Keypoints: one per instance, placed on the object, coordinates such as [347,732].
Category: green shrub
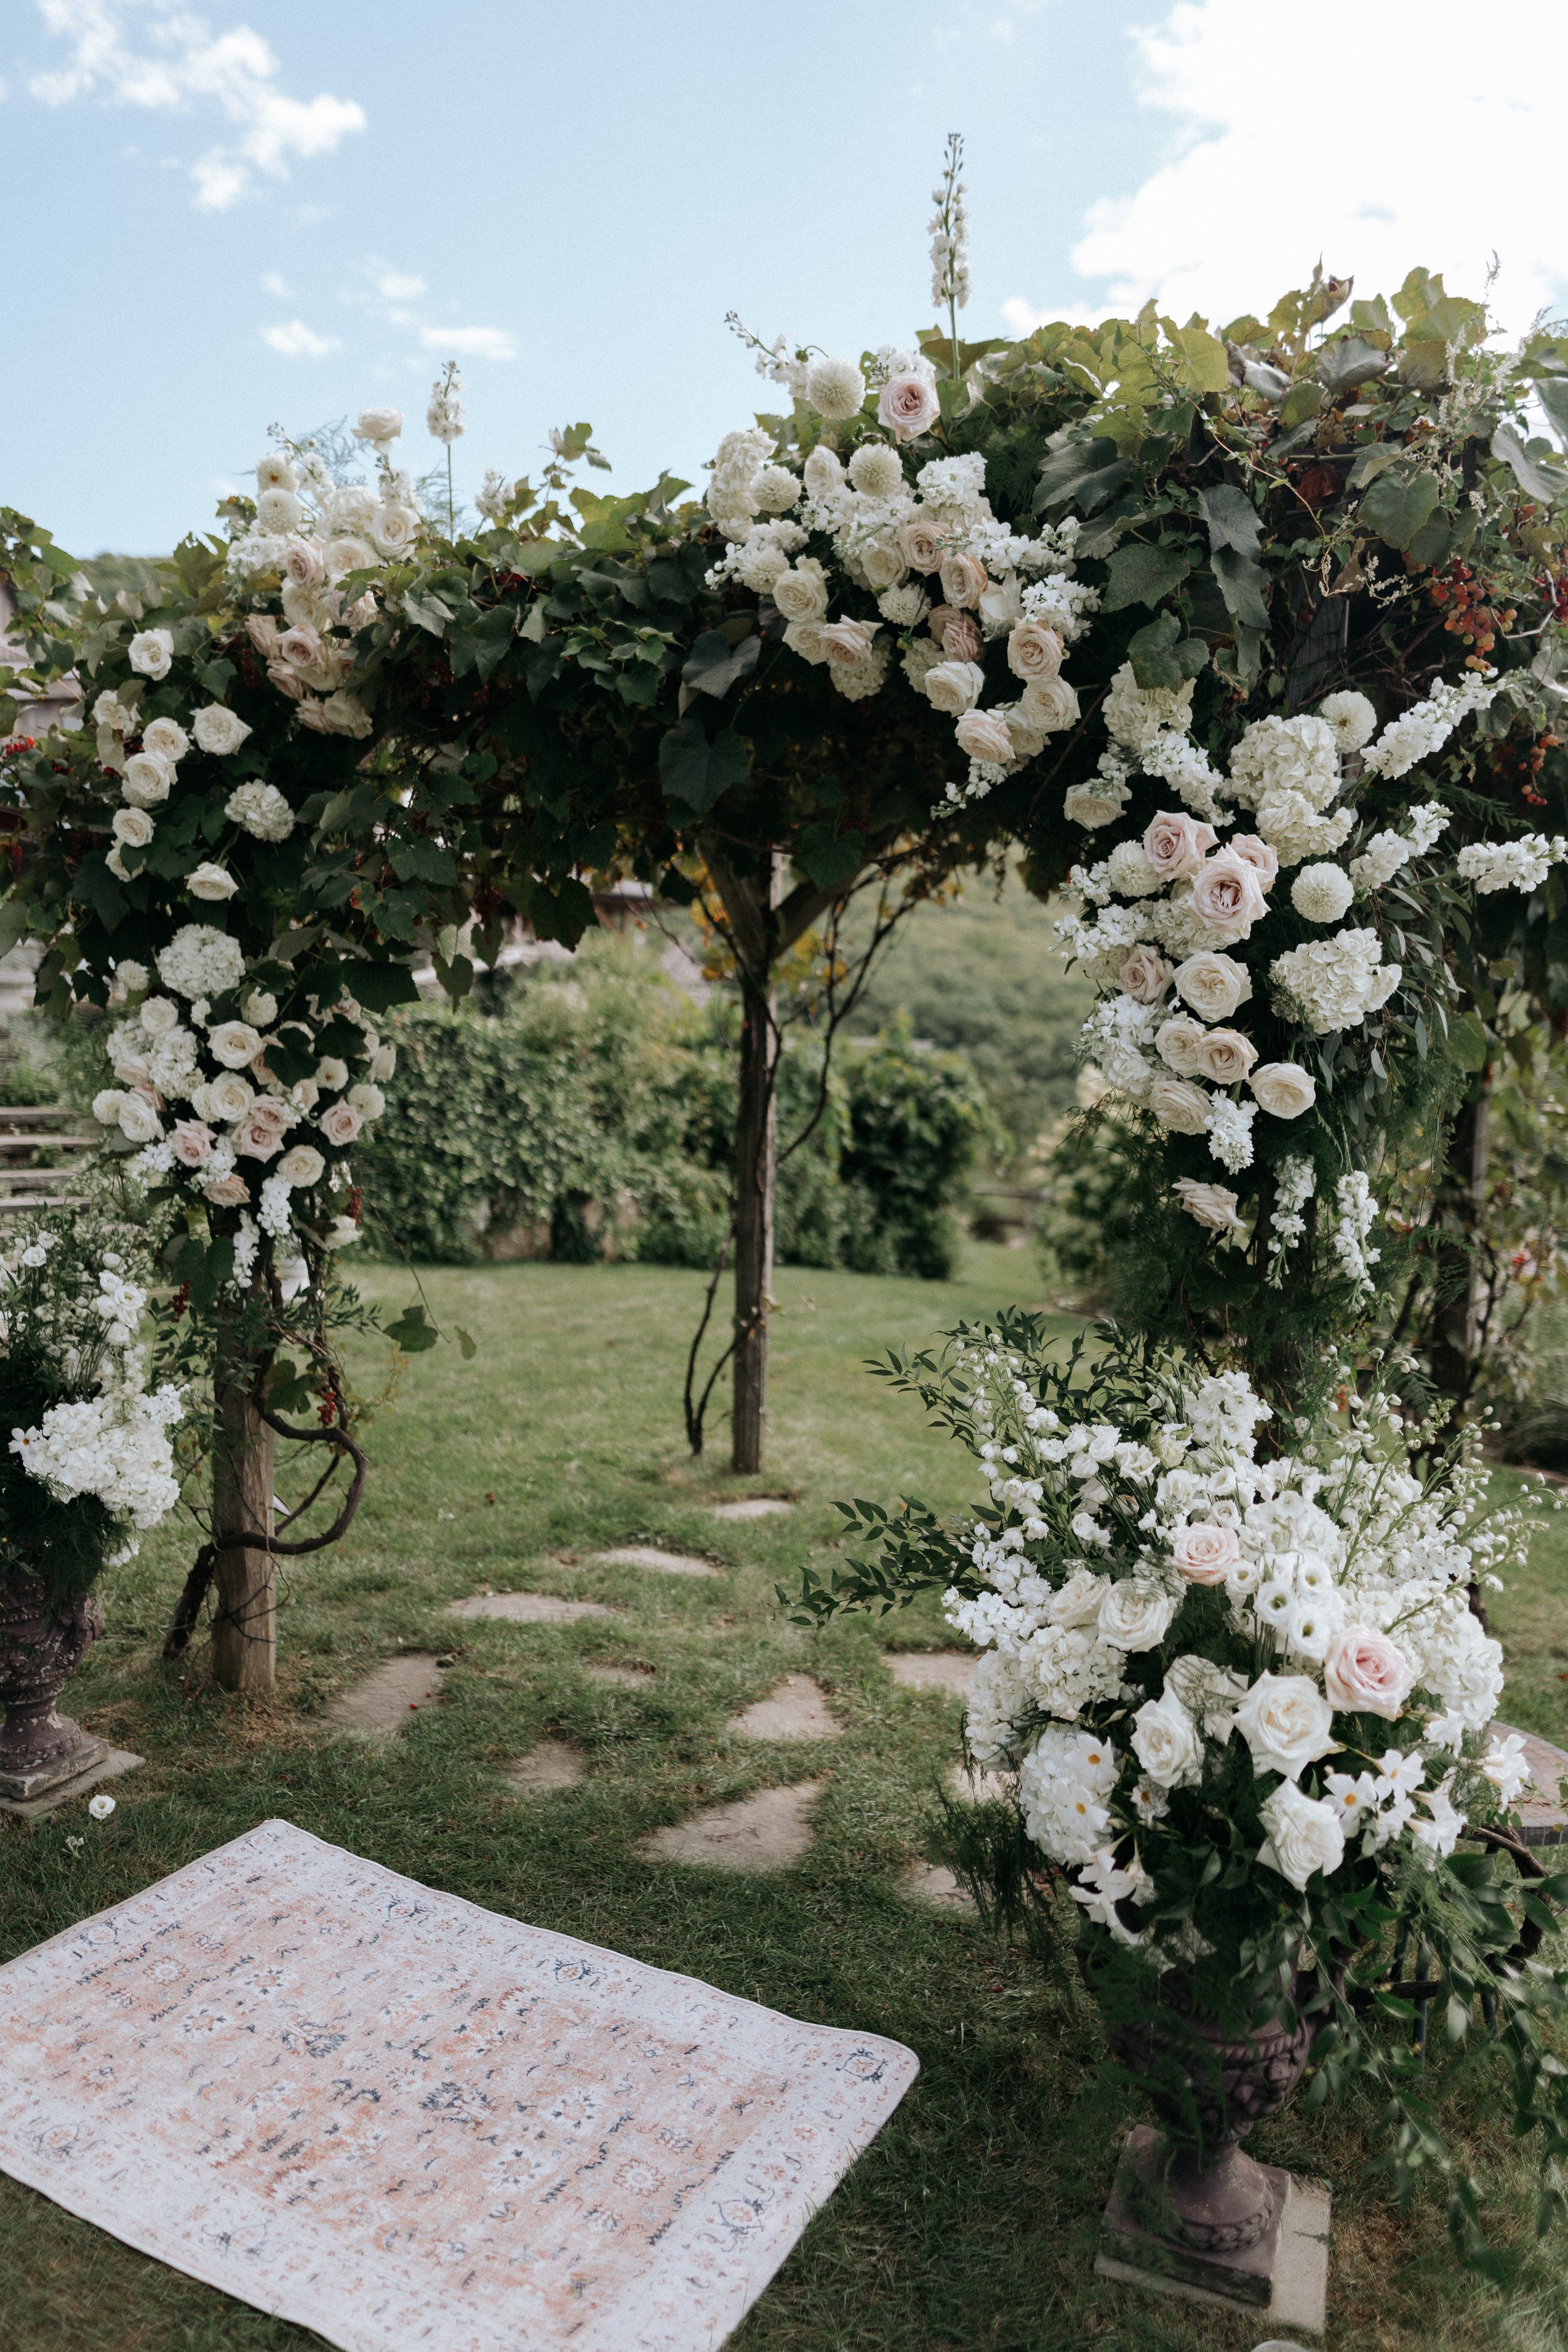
[588,1111]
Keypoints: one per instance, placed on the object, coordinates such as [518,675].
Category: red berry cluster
[1474,617]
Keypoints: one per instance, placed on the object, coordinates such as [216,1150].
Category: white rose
[138,1119]
[132,827]
[1214,1206]
[393,530]
[379,425]
[1205,1552]
[147,780]
[151,652]
[908,404]
[1049,703]
[229,1096]
[982,736]
[1366,1673]
[106,1107]
[1287,1722]
[1134,1614]
[1213,984]
[235,1043]
[1304,1835]
[1093,804]
[303,1166]
[167,738]
[955,687]
[822,473]
[849,645]
[1283,1088]
[883,564]
[211,882]
[1034,651]
[383,1063]
[217,730]
[1166,1743]
[159,1015]
[1180,1107]
[1077,1603]
[801,594]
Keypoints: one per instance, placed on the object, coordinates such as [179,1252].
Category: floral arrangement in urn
[88,1465]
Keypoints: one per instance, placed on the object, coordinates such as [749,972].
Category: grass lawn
[970,2226]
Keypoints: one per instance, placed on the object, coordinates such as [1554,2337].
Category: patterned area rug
[403,2121]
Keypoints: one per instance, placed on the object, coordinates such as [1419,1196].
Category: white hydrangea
[1276,756]
[1060,602]
[1135,714]
[262,810]
[732,499]
[1336,982]
[1294,830]
[114,1445]
[200,960]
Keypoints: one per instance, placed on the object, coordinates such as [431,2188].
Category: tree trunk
[245,1631]
[756,1150]
[1455,1324]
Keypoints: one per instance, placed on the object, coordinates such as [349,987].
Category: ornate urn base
[1190,2208]
[40,1649]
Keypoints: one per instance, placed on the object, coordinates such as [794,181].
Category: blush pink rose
[964,579]
[262,630]
[268,1111]
[1227,894]
[190,1142]
[909,406]
[1258,854]
[257,1138]
[1365,1673]
[957,635]
[341,1124]
[1205,1553]
[1177,845]
[1145,976]
[1223,1057]
[313,715]
[1034,651]
[288,681]
[846,644]
[226,1192]
[920,545]
[983,737]
[302,646]
[305,563]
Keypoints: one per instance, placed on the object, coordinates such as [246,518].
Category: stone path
[943,1670]
[386,1699]
[1542,1819]
[528,1608]
[767,1832]
[933,1882]
[794,1710]
[755,1506]
[669,1563]
[549,1764]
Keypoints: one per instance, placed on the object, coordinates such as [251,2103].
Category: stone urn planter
[1189,2202]
[41,1646]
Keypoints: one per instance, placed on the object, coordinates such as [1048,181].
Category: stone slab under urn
[109,1764]
[1281,2275]
[45,1758]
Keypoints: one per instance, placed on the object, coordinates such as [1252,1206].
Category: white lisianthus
[1287,1722]
[1304,1835]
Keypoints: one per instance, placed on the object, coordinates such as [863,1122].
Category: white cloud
[398,285]
[184,66]
[298,341]
[272,284]
[470,342]
[1377,134]
[1021,316]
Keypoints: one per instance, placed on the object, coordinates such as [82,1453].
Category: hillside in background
[982,974]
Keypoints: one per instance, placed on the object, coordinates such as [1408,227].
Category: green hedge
[590,1112]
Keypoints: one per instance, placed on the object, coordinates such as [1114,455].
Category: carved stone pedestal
[40,1649]
[1263,2235]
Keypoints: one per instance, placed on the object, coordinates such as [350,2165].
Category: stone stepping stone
[386,1701]
[795,1710]
[755,1506]
[549,1764]
[981,1787]
[528,1608]
[932,1882]
[667,1563]
[767,1832]
[943,1670]
[621,1677]
[1542,1819]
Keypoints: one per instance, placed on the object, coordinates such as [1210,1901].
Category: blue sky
[224,218]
